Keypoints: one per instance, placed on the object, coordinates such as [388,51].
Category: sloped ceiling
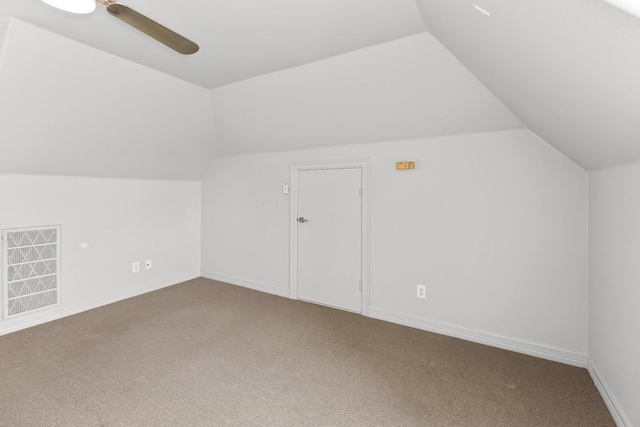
[569,69]
[403,89]
[238,38]
[68,109]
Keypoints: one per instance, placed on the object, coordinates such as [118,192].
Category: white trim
[83,307]
[512,344]
[270,289]
[617,413]
[363,165]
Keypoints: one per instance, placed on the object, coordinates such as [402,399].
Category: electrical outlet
[421,291]
[135,267]
[147,264]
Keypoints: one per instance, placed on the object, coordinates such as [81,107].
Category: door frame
[363,165]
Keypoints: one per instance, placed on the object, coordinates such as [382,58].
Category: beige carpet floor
[204,353]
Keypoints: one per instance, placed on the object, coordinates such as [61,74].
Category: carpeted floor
[204,353]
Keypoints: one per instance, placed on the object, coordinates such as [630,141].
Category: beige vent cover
[31,269]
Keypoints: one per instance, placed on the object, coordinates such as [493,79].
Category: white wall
[614,287]
[3,31]
[408,88]
[495,225]
[122,221]
[68,109]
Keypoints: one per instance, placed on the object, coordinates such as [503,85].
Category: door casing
[363,165]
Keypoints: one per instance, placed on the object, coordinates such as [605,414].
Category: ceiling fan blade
[151,28]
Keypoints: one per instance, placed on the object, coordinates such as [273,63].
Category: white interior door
[329,221]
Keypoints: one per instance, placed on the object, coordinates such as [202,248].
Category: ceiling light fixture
[73,6]
[481,10]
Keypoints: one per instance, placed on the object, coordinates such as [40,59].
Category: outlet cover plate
[421,291]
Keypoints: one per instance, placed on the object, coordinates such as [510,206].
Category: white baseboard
[247,284]
[26,322]
[519,346]
[612,404]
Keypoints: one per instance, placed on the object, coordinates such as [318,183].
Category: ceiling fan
[137,20]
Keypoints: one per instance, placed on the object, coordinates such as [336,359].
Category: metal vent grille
[31,269]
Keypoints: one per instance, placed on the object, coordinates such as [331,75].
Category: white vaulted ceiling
[69,109]
[407,88]
[238,38]
[566,69]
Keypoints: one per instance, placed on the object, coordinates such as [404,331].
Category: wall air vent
[30,269]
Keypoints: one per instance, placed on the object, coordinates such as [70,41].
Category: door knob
[302,219]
